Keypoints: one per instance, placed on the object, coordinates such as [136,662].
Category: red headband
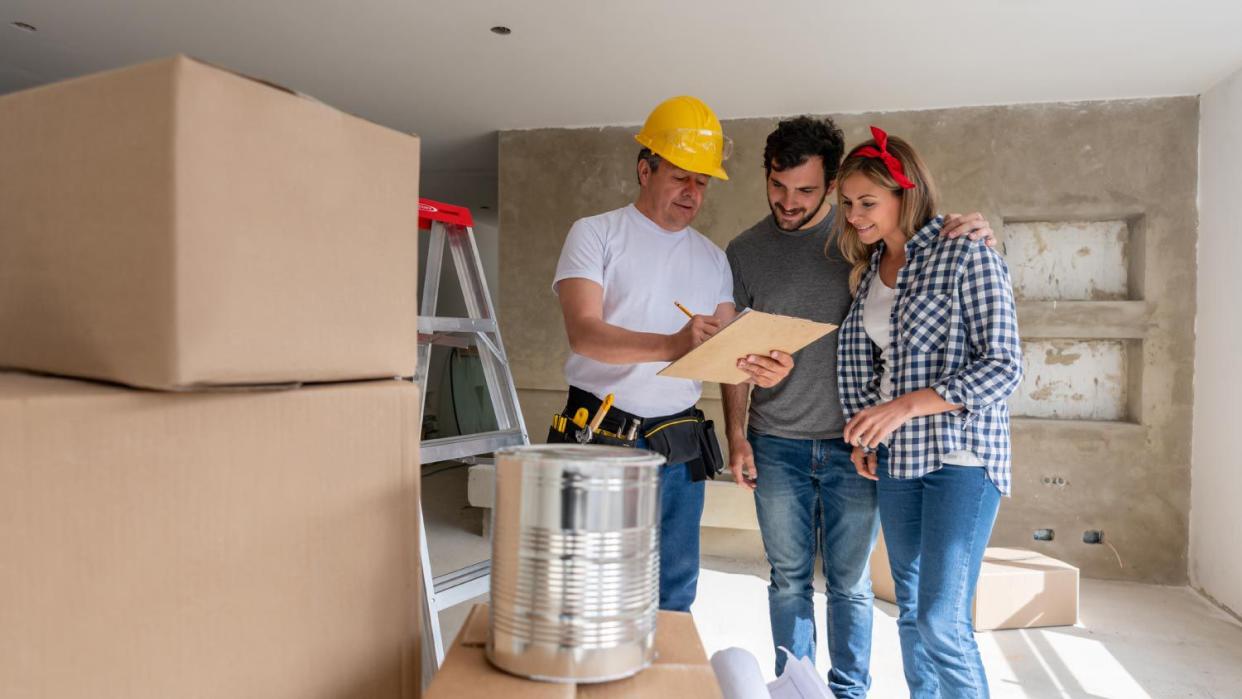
[893,164]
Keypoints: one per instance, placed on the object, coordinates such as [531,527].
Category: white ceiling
[432,66]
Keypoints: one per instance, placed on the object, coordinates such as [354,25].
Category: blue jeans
[681,510]
[809,499]
[936,528]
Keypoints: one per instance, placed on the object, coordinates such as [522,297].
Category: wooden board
[752,332]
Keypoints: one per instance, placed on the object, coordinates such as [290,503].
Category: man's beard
[805,219]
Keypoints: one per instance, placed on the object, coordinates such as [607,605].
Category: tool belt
[685,437]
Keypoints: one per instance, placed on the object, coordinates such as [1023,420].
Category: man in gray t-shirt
[808,497]
[787,272]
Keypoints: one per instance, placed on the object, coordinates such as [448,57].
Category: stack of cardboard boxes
[220,499]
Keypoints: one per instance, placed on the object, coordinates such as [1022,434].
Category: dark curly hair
[796,140]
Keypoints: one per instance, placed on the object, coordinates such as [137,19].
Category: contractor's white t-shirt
[643,269]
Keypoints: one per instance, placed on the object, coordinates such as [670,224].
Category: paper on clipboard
[752,332]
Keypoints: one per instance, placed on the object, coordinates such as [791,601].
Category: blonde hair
[918,205]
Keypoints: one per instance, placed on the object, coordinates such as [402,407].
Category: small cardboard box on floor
[681,669]
[1018,589]
[174,225]
[240,544]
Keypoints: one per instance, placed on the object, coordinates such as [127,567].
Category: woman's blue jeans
[937,527]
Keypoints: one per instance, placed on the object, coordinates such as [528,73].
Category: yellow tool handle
[580,417]
[603,410]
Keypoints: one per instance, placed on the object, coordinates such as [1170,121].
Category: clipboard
[751,332]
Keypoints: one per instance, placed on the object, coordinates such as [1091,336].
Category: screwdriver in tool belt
[603,410]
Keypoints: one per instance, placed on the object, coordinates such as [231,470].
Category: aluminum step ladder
[452,227]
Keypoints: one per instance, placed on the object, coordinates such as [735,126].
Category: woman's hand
[865,463]
[870,426]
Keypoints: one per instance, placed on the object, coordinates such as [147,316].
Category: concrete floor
[1133,641]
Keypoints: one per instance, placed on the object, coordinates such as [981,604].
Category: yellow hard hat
[684,131]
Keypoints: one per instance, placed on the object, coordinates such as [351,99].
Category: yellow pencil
[683,309]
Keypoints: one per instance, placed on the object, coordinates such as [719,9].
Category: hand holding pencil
[694,333]
[764,371]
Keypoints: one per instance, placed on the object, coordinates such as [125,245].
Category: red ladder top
[451,214]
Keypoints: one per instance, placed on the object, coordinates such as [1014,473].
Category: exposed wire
[453,389]
[442,469]
[1118,555]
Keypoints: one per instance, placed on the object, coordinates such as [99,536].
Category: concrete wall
[1129,167]
[1215,514]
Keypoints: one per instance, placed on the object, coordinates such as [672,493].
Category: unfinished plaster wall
[1216,502]
[1124,172]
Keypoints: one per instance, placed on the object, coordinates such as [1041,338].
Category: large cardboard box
[680,670]
[173,225]
[243,544]
[1018,589]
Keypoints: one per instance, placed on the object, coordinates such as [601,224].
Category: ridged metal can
[575,562]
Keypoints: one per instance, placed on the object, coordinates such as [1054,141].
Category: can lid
[582,453]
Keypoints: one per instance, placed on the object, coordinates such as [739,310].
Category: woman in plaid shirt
[926,360]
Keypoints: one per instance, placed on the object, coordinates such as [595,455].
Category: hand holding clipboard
[751,332]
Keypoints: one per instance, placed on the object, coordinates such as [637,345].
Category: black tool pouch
[713,458]
[556,436]
[600,437]
[688,439]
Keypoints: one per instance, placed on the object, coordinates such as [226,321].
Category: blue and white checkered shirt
[955,329]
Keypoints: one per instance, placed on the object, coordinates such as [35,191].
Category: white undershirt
[876,311]
[877,308]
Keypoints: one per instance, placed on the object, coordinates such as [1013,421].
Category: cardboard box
[681,669]
[881,574]
[175,225]
[1018,589]
[243,544]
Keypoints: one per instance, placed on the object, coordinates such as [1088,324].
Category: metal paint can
[575,562]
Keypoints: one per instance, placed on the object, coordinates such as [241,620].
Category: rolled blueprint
[739,675]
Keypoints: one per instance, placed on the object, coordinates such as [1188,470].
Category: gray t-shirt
[788,273]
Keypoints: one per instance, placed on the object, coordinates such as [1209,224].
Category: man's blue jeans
[936,528]
[681,510]
[810,499]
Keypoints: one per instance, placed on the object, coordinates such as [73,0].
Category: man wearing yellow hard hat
[619,277]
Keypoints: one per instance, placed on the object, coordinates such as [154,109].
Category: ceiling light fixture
[25,27]
[501,30]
